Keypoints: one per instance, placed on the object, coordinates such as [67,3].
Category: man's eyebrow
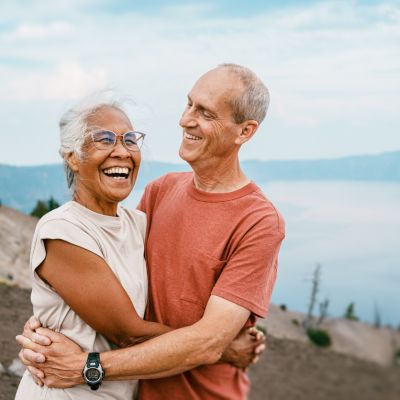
[201,107]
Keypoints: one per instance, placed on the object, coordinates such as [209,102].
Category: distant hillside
[16,231]
[21,187]
[382,167]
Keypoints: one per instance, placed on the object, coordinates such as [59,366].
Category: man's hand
[246,348]
[52,359]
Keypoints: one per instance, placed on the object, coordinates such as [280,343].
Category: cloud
[39,31]
[329,64]
[66,81]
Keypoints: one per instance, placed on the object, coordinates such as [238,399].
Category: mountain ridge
[22,186]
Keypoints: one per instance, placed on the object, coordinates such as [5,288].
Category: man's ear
[72,161]
[249,128]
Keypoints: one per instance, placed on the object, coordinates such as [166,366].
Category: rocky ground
[15,308]
[289,370]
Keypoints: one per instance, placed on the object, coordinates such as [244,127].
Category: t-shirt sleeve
[249,275]
[149,196]
[63,230]
[143,203]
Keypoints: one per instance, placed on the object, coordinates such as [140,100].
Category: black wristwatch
[93,372]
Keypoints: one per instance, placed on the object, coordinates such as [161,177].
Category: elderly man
[212,247]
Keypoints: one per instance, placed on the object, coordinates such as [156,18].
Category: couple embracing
[167,294]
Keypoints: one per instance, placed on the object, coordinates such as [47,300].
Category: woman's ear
[72,161]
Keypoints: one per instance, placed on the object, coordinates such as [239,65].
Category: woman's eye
[130,139]
[130,142]
[106,140]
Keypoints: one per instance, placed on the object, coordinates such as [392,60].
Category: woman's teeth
[117,172]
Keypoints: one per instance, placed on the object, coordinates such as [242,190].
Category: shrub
[319,337]
[283,307]
[43,207]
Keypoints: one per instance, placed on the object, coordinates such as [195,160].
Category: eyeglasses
[106,140]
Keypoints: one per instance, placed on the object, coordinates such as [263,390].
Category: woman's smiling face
[99,186]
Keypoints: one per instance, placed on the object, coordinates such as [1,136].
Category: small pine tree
[349,314]
[43,207]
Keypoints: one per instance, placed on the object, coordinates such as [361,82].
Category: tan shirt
[120,242]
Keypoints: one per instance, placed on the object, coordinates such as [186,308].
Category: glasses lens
[133,140]
[103,139]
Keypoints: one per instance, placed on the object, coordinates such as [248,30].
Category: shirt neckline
[113,221]
[212,197]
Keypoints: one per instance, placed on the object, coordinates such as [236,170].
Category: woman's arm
[89,286]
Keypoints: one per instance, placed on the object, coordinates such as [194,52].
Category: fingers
[33,323]
[257,352]
[49,335]
[35,336]
[33,357]
[255,360]
[37,375]
[31,350]
[256,333]
[23,359]
[260,349]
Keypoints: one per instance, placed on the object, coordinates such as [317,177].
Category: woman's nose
[119,149]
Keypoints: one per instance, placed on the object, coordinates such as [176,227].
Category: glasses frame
[140,139]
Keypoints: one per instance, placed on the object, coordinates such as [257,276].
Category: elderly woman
[89,277]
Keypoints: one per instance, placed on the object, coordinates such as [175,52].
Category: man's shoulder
[266,209]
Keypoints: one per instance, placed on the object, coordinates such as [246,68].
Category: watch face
[92,374]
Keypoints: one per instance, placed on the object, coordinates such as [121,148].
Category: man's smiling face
[209,130]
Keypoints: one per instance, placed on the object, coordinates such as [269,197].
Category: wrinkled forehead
[110,118]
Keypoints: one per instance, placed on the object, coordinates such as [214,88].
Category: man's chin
[184,155]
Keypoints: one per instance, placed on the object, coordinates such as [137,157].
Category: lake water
[353,230]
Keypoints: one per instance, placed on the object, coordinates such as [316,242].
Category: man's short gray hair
[73,128]
[253,101]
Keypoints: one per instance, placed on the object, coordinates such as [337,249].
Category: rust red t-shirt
[201,244]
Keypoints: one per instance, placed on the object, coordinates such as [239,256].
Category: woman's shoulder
[60,213]
[133,214]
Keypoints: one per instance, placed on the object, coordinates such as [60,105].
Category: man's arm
[166,355]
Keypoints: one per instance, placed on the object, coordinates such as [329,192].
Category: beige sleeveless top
[120,242]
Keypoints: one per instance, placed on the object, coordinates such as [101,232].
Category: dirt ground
[288,370]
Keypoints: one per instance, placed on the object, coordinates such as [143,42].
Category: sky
[332,68]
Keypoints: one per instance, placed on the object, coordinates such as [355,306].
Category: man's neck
[224,177]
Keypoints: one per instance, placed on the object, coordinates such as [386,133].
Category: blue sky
[332,67]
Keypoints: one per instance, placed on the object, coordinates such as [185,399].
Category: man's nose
[188,119]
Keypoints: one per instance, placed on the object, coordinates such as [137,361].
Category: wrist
[93,372]
[78,363]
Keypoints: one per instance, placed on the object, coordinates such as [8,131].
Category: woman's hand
[51,358]
[246,348]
